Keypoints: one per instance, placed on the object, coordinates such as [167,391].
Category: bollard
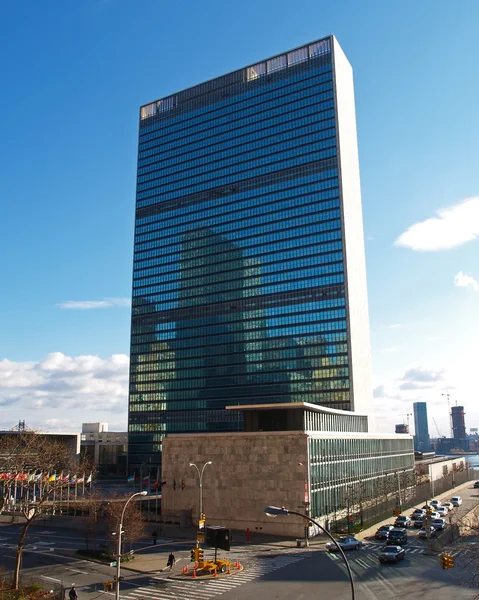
[247,535]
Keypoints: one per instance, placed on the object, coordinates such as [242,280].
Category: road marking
[77,571]
[50,578]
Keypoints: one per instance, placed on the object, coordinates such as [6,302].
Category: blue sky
[73,78]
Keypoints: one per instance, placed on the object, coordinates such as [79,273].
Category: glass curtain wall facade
[339,465]
[239,292]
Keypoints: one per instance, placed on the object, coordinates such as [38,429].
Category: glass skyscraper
[249,281]
[421,438]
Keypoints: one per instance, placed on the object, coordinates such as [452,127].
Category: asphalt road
[270,572]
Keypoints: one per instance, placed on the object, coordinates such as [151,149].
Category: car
[397,536]
[383,532]
[418,523]
[439,524]
[442,510]
[476,484]
[456,500]
[448,505]
[435,503]
[345,543]
[392,554]
[418,513]
[423,533]
[402,521]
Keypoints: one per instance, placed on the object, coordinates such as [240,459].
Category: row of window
[250,202]
[331,263]
[267,264]
[180,366]
[217,293]
[252,97]
[214,335]
[251,164]
[170,300]
[276,212]
[223,140]
[256,148]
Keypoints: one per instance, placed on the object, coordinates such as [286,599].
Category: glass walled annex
[354,464]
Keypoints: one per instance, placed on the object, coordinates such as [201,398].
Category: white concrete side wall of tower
[353,237]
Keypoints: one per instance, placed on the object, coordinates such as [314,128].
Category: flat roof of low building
[296,405]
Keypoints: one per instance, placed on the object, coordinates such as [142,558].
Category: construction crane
[448,396]
[407,415]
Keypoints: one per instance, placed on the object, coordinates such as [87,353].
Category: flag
[89,479]
[52,478]
[73,479]
[131,479]
[174,484]
[38,477]
[31,477]
[81,480]
[146,480]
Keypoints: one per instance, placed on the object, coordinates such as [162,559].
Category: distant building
[402,428]
[106,449]
[421,439]
[71,440]
[458,422]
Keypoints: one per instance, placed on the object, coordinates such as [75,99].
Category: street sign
[113,564]
[200,537]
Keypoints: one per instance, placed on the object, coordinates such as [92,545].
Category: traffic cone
[194,573]
[215,574]
[228,571]
[185,569]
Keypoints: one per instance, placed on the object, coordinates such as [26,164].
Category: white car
[345,543]
[448,505]
[442,510]
[435,503]
[456,500]
[439,524]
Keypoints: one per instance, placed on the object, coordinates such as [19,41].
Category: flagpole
[76,486]
[156,497]
[83,490]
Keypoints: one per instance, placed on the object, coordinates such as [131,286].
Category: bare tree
[33,468]
[133,524]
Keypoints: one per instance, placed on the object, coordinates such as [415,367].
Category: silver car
[345,543]
[439,524]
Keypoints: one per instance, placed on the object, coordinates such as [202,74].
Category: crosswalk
[378,547]
[170,589]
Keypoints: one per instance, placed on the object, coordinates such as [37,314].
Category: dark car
[397,536]
[383,532]
[476,484]
[424,534]
[418,523]
[418,513]
[392,554]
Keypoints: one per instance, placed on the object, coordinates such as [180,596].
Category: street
[270,570]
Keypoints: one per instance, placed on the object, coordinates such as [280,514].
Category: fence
[373,511]
[28,584]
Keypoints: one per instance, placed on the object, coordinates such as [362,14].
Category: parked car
[456,500]
[397,536]
[439,524]
[423,533]
[448,505]
[383,532]
[402,521]
[435,503]
[476,484]
[392,554]
[346,543]
[418,513]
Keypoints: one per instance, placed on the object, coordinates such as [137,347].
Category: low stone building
[301,456]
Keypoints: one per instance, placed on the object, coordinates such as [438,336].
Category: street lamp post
[200,475]
[120,531]
[306,502]
[273,511]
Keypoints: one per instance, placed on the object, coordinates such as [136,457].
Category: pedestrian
[154,535]
[73,593]
[171,560]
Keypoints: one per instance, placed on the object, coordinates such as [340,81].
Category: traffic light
[443,560]
[194,555]
[450,561]
[396,512]
[203,516]
[200,554]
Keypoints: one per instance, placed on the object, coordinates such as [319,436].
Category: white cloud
[61,392]
[395,326]
[391,349]
[466,280]
[89,304]
[452,227]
